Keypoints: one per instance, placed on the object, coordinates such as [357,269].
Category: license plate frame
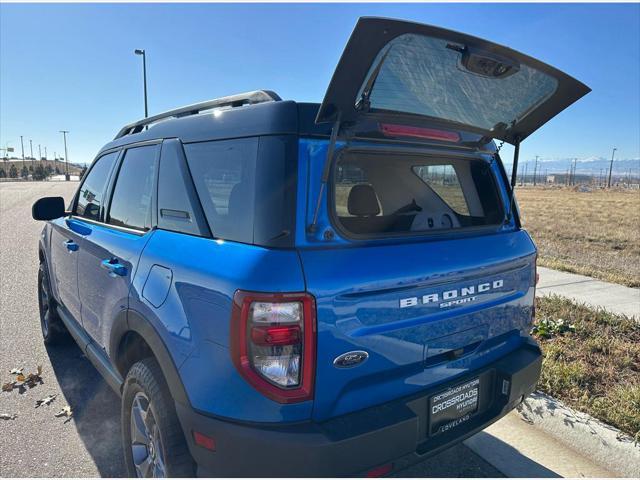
[453,406]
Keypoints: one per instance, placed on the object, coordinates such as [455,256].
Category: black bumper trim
[356,442]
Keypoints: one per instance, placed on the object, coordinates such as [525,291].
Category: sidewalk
[521,448]
[610,296]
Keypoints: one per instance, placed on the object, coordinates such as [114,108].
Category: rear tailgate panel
[359,292]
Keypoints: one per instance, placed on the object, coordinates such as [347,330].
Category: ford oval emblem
[350,359]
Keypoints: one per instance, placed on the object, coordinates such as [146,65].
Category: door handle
[115,268]
[71,245]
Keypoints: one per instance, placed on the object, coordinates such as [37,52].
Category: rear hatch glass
[381,194]
[424,76]
[409,71]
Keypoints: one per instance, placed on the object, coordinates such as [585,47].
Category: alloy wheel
[146,444]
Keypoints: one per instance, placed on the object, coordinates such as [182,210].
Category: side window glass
[224,176]
[91,196]
[176,198]
[133,192]
[443,180]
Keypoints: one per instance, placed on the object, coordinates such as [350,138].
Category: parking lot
[36,443]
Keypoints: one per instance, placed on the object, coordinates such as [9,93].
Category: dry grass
[596,367]
[592,233]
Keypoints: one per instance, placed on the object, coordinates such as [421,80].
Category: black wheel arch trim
[132,321]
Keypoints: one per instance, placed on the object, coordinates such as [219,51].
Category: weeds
[547,328]
[591,361]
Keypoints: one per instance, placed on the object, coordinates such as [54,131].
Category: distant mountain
[587,166]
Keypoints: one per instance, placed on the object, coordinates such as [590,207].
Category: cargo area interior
[384,193]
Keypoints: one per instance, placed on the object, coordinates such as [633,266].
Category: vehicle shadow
[96,408]
[505,456]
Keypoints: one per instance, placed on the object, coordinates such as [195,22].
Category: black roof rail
[238,100]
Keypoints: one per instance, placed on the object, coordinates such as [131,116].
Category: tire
[152,438]
[53,330]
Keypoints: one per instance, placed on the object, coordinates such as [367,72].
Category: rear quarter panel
[194,318]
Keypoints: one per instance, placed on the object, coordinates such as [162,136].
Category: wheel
[153,441]
[53,330]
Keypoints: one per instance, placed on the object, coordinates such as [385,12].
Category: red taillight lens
[273,343]
[393,130]
[276,335]
[535,285]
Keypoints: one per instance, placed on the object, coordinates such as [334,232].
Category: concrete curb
[602,443]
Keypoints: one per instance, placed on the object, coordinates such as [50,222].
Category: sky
[72,66]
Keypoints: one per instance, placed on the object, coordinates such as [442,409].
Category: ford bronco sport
[291,289]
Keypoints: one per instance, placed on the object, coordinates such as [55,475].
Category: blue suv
[292,289]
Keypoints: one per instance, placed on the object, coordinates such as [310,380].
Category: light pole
[66,155]
[611,167]
[45,153]
[144,76]
[31,149]
[22,148]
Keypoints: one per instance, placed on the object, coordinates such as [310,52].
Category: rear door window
[92,191]
[133,192]
[376,194]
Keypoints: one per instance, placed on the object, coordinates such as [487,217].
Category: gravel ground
[37,444]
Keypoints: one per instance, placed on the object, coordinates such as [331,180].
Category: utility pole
[66,154]
[575,166]
[45,153]
[525,172]
[39,154]
[611,167]
[144,76]
[535,171]
[22,148]
[521,178]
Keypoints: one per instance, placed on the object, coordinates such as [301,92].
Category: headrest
[238,200]
[363,201]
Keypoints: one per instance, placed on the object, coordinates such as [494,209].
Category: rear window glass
[379,194]
[424,75]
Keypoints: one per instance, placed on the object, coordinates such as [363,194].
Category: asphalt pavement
[38,444]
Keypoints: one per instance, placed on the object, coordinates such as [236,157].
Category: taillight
[395,130]
[273,337]
[535,285]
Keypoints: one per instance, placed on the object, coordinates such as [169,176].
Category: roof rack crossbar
[238,100]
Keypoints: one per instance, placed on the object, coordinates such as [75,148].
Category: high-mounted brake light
[394,130]
[273,337]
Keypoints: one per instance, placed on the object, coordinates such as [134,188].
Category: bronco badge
[350,359]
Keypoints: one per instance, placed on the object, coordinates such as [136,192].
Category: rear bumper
[354,443]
